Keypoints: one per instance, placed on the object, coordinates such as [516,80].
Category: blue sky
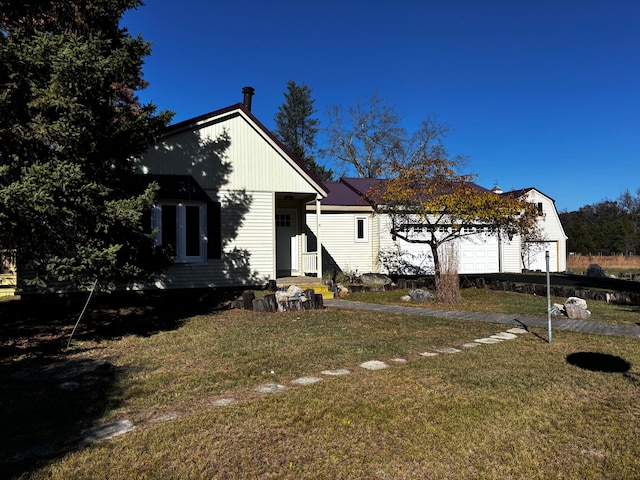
[541,93]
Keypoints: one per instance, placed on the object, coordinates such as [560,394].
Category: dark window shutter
[214,231]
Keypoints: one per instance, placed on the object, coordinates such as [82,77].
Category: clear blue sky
[541,93]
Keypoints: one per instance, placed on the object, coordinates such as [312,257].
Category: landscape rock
[578,302]
[575,312]
[421,296]
[375,280]
[596,271]
[405,298]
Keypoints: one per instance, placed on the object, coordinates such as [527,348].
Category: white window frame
[181,231]
[365,229]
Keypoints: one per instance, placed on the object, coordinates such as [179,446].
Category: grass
[518,409]
[478,300]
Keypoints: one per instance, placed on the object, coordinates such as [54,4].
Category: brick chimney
[248,93]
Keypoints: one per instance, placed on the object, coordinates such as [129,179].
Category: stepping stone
[518,331]
[428,354]
[399,360]
[374,365]
[470,345]
[487,341]
[223,402]
[306,380]
[165,418]
[270,388]
[504,336]
[447,350]
[335,373]
[104,432]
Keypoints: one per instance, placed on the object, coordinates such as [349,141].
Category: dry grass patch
[517,409]
[613,263]
[513,410]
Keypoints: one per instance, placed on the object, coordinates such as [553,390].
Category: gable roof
[523,191]
[240,109]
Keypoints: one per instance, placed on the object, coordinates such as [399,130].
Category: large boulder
[422,296]
[576,313]
[577,301]
[576,309]
[375,280]
[596,271]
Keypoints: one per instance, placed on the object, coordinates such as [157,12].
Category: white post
[546,256]
[318,239]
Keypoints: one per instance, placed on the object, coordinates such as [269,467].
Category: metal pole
[546,256]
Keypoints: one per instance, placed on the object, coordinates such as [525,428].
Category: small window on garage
[362,229]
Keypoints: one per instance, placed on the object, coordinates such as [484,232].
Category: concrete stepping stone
[306,380]
[470,345]
[270,388]
[428,354]
[517,331]
[504,336]
[165,418]
[374,365]
[105,432]
[223,402]
[488,341]
[447,350]
[335,373]
[399,360]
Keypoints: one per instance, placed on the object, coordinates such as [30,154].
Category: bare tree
[366,138]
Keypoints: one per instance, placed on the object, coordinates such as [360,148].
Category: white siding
[551,228]
[511,259]
[230,154]
[248,247]
[339,240]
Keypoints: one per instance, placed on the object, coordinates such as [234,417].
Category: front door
[286,241]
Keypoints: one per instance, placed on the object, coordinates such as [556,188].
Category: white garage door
[534,256]
[478,254]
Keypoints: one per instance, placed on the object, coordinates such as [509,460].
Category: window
[182,228]
[362,230]
[540,211]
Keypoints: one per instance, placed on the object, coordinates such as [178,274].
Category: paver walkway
[583,326]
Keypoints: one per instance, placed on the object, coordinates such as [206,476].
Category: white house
[232,201]
[357,240]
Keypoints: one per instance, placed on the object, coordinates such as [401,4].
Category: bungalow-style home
[232,202]
[356,240]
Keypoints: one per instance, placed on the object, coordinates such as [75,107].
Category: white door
[534,256]
[286,240]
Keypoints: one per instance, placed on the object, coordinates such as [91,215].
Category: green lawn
[517,409]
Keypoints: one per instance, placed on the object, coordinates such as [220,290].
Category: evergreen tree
[296,128]
[70,125]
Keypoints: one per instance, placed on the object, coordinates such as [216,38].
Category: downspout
[319,238]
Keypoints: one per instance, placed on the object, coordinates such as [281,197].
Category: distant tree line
[609,227]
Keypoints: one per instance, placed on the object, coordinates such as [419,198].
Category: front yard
[517,409]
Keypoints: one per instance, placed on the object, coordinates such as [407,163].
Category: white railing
[310,262]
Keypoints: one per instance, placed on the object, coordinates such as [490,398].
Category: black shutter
[214,231]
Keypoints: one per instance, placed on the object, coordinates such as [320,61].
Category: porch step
[320,289]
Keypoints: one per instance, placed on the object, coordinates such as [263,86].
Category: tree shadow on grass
[599,362]
[48,394]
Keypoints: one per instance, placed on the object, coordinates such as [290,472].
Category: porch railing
[8,275]
[310,262]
